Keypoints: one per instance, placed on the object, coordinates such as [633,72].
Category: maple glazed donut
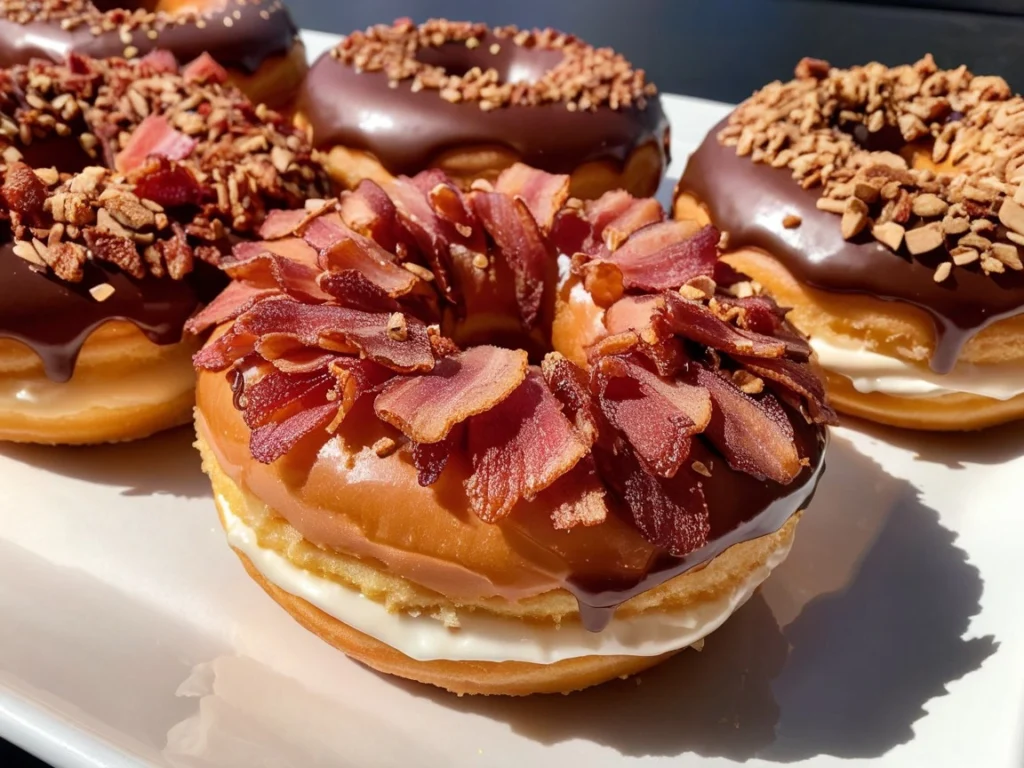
[458,514]
[123,184]
[885,206]
[471,101]
[256,41]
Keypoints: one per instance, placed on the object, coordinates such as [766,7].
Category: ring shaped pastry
[254,40]
[471,101]
[123,183]
[597,493]
[884,206]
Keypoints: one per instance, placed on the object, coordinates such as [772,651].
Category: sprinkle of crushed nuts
[397,328]
[384,447]
[942,271]
[701,469]
[421,272]
[102,292]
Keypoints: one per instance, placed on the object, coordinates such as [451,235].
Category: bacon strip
[800,379]
[153,136]
[326,326]
[277,390]
[617,214]
[425,408]
[229,304]
[665,256]
[512,227]
[656,416]
[280,223]
[425,228]
[362,255]
[169,184]
[519,448]
[204,69]
[430,459]
[754,435]
[570,384]
[632,313]
[288,265]
[578,498]
[351,289]
[671,514]
[695,321]
[369,211]
[543,193]
[272,441]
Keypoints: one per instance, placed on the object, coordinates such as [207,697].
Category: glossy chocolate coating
[54,318]
[749,201]
[407,130]
[741,507]
[247,43]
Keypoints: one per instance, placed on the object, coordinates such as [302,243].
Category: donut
[123,184]
[885,207]
[495,515]
[471,101]
[254,40]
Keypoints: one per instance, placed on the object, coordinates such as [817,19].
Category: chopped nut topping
[585,79]
[397,328]
[385,447]
[102,292]
[747,381]
[791,221]
[253,156]
[421,272]
[701,469]
[817,127]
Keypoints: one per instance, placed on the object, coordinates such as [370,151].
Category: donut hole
[513,63]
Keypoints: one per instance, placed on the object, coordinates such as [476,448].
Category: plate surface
[893,635]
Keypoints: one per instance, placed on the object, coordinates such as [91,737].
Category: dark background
[723,49]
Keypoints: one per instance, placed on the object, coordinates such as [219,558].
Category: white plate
[893,636]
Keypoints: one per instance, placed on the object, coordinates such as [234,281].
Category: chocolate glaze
[246,44]
[54,318]
[407,130]
[742,508]
[749,201]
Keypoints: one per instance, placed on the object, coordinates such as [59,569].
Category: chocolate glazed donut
[472,100]
[255,40]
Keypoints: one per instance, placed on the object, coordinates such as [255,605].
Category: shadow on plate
[996,445]
[164,463]
[837,655]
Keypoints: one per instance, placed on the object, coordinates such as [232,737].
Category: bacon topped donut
[517,523]
[886,206]
[120,184]
[471,101]
[255,40]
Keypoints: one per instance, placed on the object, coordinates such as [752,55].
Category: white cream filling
[158,383]
[871,372]
[483,637]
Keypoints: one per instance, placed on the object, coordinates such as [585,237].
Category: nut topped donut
[122,183]
[255,40]
[471,101]
[886,206]
[474,516]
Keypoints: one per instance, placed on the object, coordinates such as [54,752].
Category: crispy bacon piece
[360,254]
[159,61]
[656,416]
[667,255]
[167,183]
[617,214]
[204,69]
[288,265]
[229,304]
[272,441]
[280,223]
[760,314]
[543,193]
[518,448]
[425,408]
[154,136]
[578,498]
[632,313]
[799,378]
[430,459]
[432,236]
[570,384]
[352,289]
[278,390]
[753,434]
[370,212]
[670,513]
[283,324]
[696,322]
[512,227]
